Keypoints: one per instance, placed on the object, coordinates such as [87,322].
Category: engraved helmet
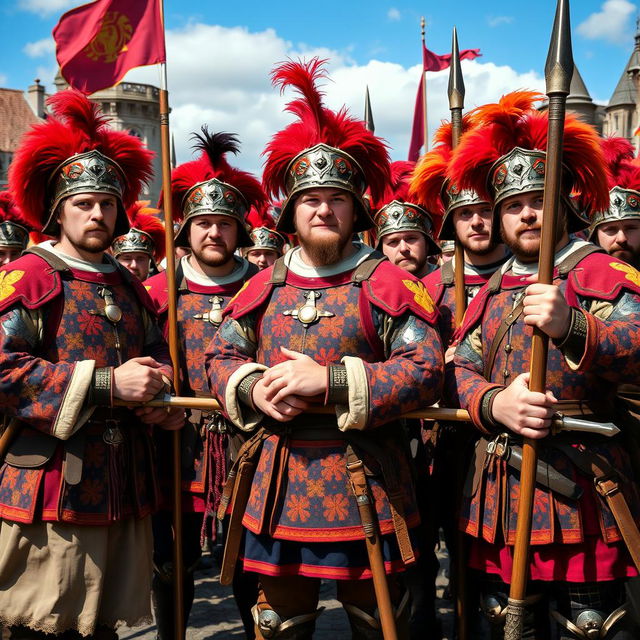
[146,234]
[505,154]
[265,238]
[75,151]
[209,185]
[321,149]
[398,212]
[624,184]
[14,229]
[430,186]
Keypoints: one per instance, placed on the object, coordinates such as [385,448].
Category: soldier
[213,199]
[143,246]
[617,229]
[405,230]
[579,559]
[14,229]
[467,218]
[78,483]
[267,246]
[358,336]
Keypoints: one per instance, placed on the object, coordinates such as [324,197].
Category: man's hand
[546,308]
[300,375]
[138,380]
[525,412]
[170,420]
[283,410]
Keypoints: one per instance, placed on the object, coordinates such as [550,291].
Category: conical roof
[578,91]
[625,91]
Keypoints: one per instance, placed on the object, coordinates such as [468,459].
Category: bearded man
[212,199]
[331,323]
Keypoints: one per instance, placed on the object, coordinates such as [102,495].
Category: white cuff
[72,413]
[356,415]
[242,416]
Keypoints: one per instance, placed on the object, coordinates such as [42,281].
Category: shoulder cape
[389,288]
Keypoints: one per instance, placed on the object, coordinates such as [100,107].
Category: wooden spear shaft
[558,72]
[456,93]
[172,319]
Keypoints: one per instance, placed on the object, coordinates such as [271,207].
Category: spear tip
[456,81]
[558,70]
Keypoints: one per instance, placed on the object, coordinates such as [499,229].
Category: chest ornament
[214,315]
[308,313]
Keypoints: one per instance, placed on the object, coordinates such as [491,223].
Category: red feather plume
[75,126]
[398,187]
[144,218]
[212,163]
[317,124]
[618,152]
[510,123]
[9,211]
[431,170]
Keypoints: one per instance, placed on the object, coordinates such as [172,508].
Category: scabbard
[240,497]
[546,475]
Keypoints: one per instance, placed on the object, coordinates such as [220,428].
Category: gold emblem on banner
[111,40]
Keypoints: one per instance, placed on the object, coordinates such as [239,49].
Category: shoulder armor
[28,281]
[602,276]
[156,289]
[252,295]
[396,291]
[435,286]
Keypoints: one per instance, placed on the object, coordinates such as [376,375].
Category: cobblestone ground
[214,615]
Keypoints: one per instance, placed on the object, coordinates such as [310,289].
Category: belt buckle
[112,434]
[499,446]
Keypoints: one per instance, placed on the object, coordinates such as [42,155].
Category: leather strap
[446,274]
[364,270]
[504,327]
[279,273]
[607,482]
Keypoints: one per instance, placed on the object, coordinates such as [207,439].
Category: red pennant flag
[430,62]
[97,43]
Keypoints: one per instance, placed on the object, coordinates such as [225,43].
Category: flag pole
[165,145]
[424,88]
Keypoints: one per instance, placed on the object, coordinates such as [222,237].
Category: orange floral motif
[315,488]
[298,508]
[92,492]
[336,507]
[333,466]
[297,468]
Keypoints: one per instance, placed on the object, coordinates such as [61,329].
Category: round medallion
[307,314]
[215,316]
[113,312]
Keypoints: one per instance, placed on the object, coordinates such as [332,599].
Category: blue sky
[220,54]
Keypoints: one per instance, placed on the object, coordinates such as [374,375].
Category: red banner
[430,62]
[97,43]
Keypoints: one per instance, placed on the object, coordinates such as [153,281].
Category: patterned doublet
[39,351]
[300,491]
[611,357]
[199,310]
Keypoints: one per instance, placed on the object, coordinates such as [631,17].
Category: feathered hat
[14,229]
[75,151]
[504,154]
[146,234]
[430,187]
[624,183]
[209,185]
[396,211]
[322,148]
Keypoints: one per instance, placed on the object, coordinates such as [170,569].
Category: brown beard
[531,255]
[223,258]
[94,245]
[325,252]
[477,252]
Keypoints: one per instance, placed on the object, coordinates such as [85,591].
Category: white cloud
[3,79]
[610,23]
[46,6]
[39,48]
[393,14]
[496,21]
[220,76]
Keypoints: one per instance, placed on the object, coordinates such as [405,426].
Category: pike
[456,92]
[558,73]
[172,319]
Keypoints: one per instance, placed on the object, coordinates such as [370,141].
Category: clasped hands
[286,389]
